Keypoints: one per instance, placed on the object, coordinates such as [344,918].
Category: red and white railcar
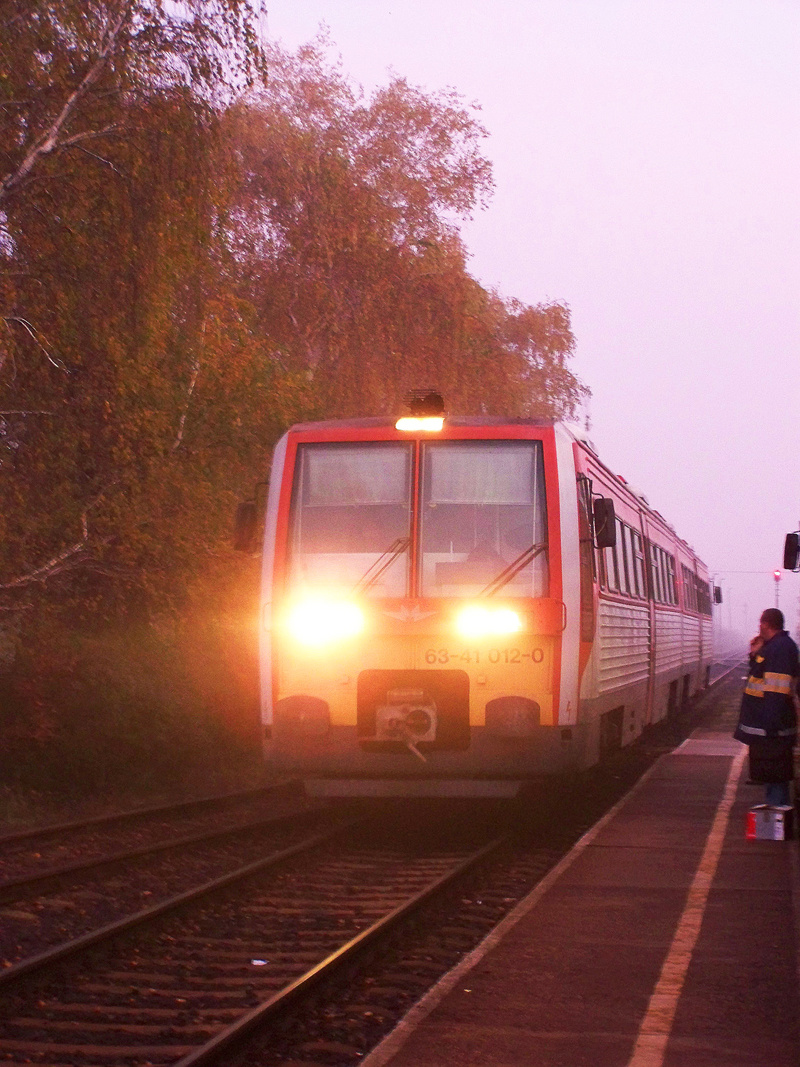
[437,618]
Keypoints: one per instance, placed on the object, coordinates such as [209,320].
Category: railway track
[181,982]
[184,982]
[44,908]
[350,1017]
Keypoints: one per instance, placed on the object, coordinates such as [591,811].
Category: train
[456,606]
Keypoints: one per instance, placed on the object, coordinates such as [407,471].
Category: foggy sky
[647,161]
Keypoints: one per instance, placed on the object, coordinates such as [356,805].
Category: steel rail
[136,813]
[43,960]
[222,1042]
[16,888]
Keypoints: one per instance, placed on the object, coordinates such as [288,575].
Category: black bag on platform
[771,759]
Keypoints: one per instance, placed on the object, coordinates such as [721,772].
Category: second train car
[456,606]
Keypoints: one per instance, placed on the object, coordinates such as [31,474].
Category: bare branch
[50,140]
[102,159]
[193,381]
[47,570]
[86,134]
[68,557]
[31,329]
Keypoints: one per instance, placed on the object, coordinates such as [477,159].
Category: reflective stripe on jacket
[768,708]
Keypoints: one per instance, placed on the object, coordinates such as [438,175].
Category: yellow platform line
[651,1042]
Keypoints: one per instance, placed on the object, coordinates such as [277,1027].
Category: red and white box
[766,823]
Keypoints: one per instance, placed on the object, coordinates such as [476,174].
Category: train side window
[689,590]
[622,558]
[704,590]
[587,563]
[629,561]
[673,594]
[586,519]
[659,576]
[601,568]
[664,576]
[655,573]
[638,564]
[700,595]
[610,567]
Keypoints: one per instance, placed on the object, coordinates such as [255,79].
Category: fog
[647,161]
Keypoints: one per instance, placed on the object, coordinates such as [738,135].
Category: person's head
[770,623]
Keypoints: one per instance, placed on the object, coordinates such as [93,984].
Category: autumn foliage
[204,238]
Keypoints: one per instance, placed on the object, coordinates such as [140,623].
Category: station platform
[664,937]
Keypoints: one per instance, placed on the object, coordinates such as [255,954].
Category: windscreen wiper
[382,563]
[505,576]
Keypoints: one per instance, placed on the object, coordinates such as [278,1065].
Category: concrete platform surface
[664,939]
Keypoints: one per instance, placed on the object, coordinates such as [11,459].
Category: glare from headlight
[321,622]
[478,621]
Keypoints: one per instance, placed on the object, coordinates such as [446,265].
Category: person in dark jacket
[768,716]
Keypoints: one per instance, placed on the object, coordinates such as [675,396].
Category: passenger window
[638,564]
[673,594]
[664,576]
[622,557]
[610,567]
[655,573]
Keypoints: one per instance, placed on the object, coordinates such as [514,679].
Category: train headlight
[479,621]
[321,622]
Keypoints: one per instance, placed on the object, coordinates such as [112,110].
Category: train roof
[382,421]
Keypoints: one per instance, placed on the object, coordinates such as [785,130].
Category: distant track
[726,665]
[26,886]
[57,829]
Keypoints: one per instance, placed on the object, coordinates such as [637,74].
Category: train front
[413,608]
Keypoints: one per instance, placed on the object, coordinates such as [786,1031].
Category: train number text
[444,656]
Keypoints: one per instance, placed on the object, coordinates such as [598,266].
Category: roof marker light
[425,412]
[428,424]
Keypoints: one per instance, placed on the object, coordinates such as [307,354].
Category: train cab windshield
[482,519]
[351,518]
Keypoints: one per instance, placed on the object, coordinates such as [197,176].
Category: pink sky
[647,161]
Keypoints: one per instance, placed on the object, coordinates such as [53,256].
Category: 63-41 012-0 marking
[486,655]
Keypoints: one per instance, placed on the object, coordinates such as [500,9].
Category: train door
[651,615]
